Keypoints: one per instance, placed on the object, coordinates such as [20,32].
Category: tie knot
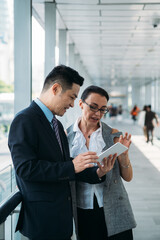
[54,120]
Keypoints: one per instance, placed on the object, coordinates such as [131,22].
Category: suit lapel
[46,124]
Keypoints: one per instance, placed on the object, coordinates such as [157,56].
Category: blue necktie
[55,127]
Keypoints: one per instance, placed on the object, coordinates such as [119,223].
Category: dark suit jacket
[43,174]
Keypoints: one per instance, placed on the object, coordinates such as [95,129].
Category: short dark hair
[63,75]
[94,89]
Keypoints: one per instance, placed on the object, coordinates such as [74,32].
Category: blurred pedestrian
[141,120]
[113,112]
[134,113]
[149,122]
[119,112]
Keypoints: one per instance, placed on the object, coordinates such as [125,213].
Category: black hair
[145,108]
[94,89]
[63,75]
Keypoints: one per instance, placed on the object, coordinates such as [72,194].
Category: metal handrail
[9,165]
[9,204]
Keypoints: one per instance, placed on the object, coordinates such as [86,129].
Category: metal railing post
[11,180]
[2,231]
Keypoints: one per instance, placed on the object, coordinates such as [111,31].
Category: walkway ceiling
[118,40]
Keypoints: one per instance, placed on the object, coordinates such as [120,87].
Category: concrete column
[50,36]
[158,100]
[22,54]
[62,46]
[71,55]
[142,97]
[77,61]
[135,95]
[153,95]
[148,94]
[125,99]
[156,95]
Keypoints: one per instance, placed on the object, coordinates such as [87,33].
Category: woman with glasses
[103,210]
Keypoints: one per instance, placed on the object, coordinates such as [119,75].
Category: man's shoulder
[151,113]
[27,113]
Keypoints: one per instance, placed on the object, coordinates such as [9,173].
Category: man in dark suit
[40,155]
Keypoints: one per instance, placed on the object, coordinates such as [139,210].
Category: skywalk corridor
[143,190]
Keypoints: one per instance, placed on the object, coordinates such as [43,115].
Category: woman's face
[96,101]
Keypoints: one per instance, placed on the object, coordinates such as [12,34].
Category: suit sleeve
[23,144]
[89,175]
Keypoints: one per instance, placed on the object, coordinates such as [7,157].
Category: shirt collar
[49,115]
[77,129]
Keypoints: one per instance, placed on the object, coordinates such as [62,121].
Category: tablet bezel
[116,148]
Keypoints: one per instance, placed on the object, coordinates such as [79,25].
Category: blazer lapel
[46,124]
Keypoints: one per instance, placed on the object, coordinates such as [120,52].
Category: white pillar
[158,100]
[22,54]
[125,99]
[148,94]
[62,46]
[50,36]
[76,61]
[135,95]
[71,55]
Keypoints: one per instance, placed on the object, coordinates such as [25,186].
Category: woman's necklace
[87,136]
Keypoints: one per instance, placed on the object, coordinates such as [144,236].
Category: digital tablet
[116,148]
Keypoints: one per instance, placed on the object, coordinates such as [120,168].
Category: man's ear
[56,88]
[81,103]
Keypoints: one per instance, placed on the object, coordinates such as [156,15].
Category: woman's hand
[123,159]
[106,165]
[126,141]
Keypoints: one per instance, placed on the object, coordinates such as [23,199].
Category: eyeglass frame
[102,111]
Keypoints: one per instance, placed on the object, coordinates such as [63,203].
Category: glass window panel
[38,44]
[6,89]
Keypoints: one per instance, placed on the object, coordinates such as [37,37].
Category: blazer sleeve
[23,144]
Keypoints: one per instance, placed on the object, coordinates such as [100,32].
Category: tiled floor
[144,189]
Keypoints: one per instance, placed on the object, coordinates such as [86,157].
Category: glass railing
[8,199]
[9,211]
[7,182]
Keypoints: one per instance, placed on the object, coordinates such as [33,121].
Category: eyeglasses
[96,109]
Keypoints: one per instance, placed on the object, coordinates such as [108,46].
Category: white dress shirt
[86,191]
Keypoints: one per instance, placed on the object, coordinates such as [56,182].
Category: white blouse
[86,191]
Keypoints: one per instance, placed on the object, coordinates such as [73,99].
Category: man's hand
[84,160]
[106,165]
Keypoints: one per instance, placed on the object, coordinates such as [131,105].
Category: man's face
[65,100]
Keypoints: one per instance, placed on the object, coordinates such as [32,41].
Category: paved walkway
[143,190]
